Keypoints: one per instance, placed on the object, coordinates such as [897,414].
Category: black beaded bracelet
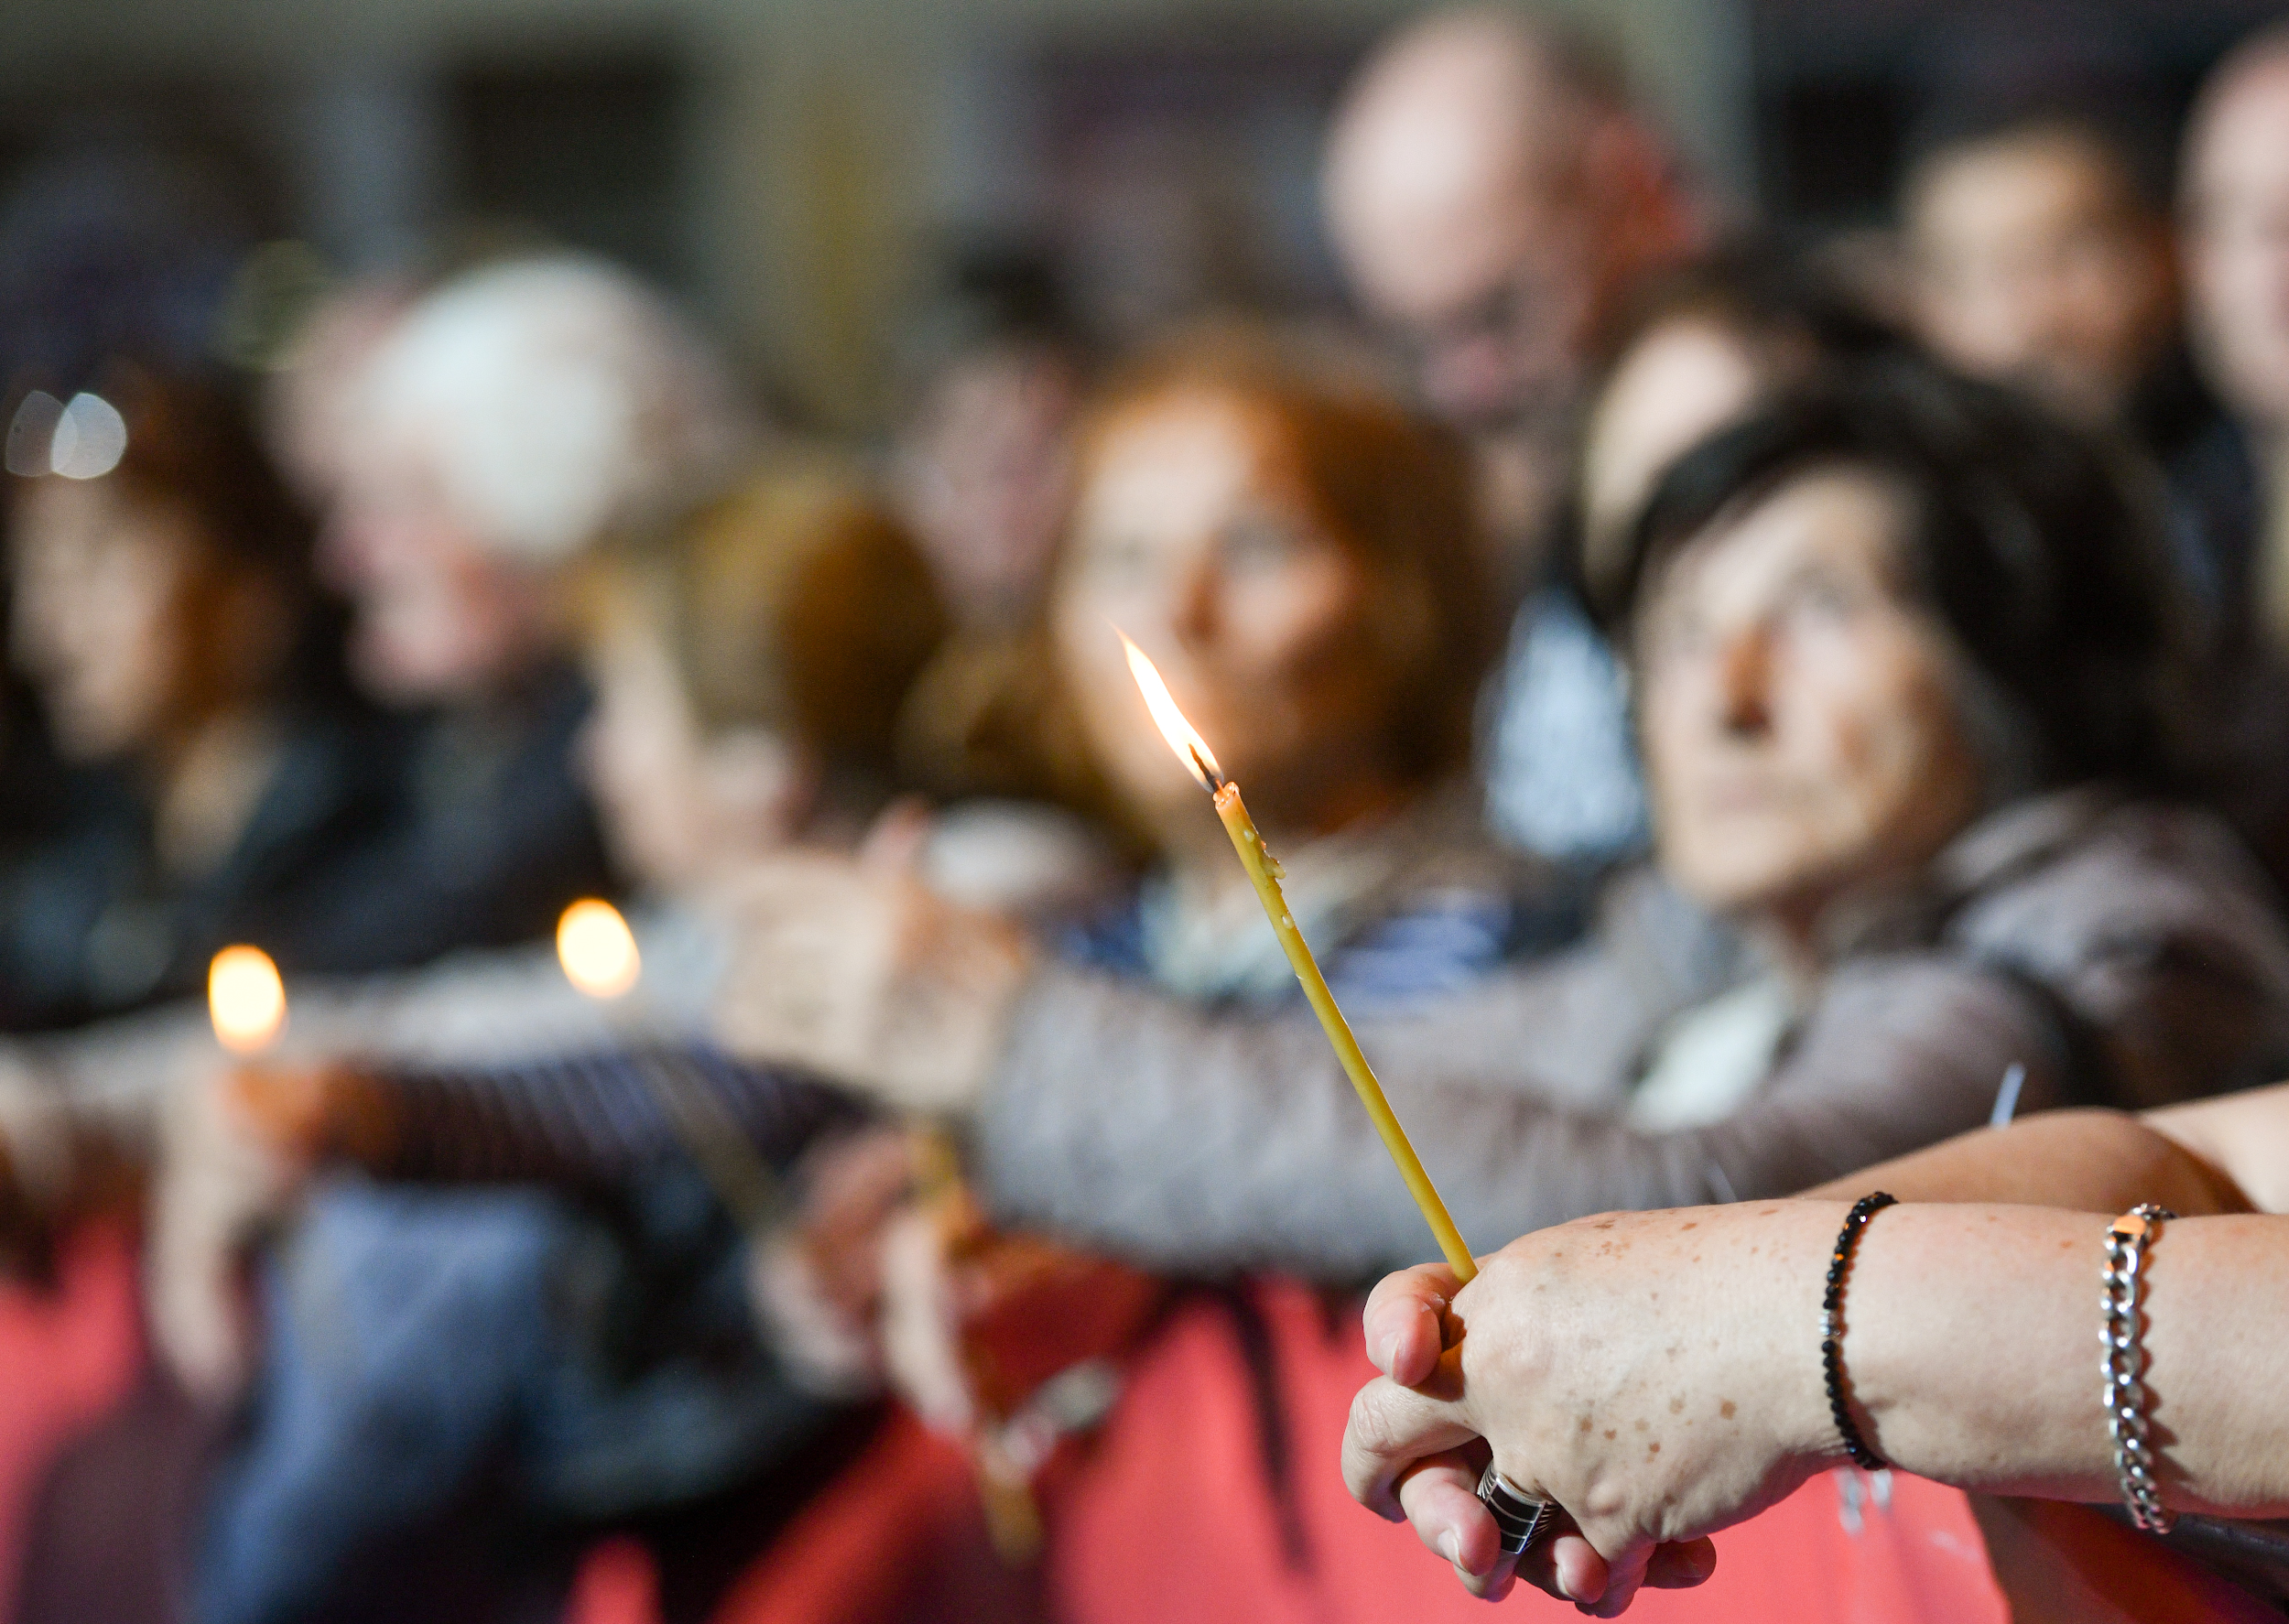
[1832,1329]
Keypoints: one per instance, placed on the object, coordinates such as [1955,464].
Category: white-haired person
[517,417]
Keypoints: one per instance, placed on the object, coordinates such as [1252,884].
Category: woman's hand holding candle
[1654,1399]
[224,1172]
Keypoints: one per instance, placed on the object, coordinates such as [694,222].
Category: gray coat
[2122,952]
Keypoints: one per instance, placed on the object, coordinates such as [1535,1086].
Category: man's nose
[1744,681]
[1192,596]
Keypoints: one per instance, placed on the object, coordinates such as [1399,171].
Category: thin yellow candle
[1263,873]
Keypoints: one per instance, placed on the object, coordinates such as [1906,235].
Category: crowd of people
[1733,727]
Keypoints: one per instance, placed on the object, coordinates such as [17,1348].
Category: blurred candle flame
[1190,748]
[597,949]
[245,999]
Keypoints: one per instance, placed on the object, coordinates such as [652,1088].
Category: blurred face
[312,403]
[2035,264]
[984,481]
[1680,382]
[1801,732]
[102,586]
[2237,246]
[1488,280]
[679,805]
[1456,200]
[1193,536]
[438,617]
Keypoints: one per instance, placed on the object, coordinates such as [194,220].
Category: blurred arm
[2242,1137]
[2089,1161]
[581,1119]
[1207,1141]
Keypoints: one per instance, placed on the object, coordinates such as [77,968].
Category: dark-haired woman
[1898,657]
[163,611]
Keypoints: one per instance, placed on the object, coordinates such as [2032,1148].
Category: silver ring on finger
[1520,1518]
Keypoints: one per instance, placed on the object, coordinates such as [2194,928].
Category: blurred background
[798,170]
[391,577]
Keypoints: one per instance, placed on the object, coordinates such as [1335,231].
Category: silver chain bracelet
[2121,1301]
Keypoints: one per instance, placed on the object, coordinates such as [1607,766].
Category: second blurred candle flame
[597,949]
[246,999]
[1190,748]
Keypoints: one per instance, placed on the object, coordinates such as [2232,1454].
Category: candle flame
[1190,748]
[245,999]
[597,949]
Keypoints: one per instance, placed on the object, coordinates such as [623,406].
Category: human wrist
[1794,1248]
[943,1054]
[1935,1399]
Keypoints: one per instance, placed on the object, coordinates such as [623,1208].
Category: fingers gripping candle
[1263,873]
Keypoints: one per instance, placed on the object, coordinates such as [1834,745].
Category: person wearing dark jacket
[225,785]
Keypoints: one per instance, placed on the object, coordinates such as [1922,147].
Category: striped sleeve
[592,1119]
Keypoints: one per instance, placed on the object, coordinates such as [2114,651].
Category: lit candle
[246,999]
[600,957]
[1264,871]
[598,950]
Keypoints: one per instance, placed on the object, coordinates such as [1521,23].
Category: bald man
[2235,207]
[1493,197]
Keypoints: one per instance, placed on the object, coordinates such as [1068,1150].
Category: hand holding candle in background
[855,970]
[600,959]
[234,1161]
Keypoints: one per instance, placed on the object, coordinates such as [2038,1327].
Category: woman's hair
[182,439]
[1790,317]
[1395,488]
[187,441]
[793,603]
[560,401]
[2026,540]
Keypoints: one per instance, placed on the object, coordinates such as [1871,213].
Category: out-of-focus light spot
[245,999]
[597,949]
[90,437]
[32,435]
